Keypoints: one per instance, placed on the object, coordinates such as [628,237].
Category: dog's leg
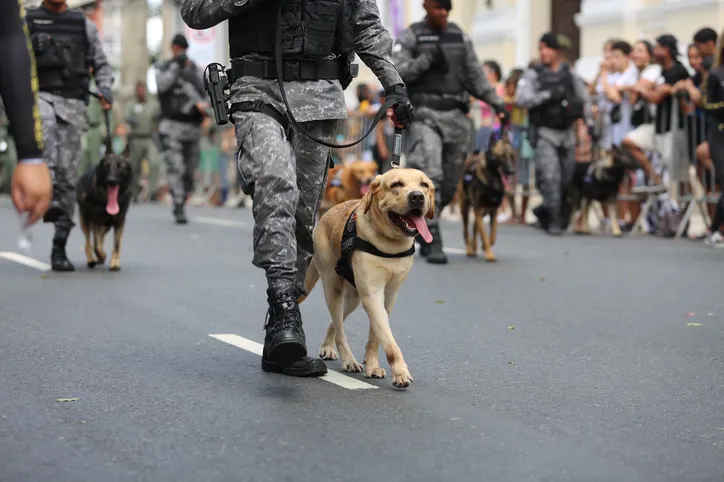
[99,234]
[613,216]
[90,259]
[493,226]
[374,304]
[583,225]
[115,264]
[470,243]
[480,228]
[372,359]
[340,304]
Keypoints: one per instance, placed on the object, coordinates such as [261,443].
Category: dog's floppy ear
[374,188]
[431,211]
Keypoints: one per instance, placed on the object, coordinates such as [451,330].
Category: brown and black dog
[347,182]
[482,188]
[104,195]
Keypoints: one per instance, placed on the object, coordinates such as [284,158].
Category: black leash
[377,118]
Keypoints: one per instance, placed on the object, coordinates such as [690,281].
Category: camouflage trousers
[63,152]
[554,164]
[182,158]
[437,145]
[285,177]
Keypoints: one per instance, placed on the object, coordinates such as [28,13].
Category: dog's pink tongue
[112,207]
[364,189]
[421,226]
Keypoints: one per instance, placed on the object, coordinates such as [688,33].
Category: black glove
[558,92]
[503,115]
[404,112]
[106,94]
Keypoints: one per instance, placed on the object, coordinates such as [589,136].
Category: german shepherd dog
[104,195]
[482,188]
[598,181]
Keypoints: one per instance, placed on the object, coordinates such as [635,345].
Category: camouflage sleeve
[202,14]
[475,80]
[166,76]
[372,42]
[409,66]
[102,70]
[528,93]
[582,93]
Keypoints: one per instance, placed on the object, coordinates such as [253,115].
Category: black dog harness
[351,242]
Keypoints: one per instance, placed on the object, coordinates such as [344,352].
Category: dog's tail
[311,280]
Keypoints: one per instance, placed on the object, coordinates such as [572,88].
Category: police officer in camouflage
[555,98]
[67,47]
[282,169]
[182,97]
[437,61]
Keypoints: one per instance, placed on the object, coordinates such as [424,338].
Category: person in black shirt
[658,137]
[31,185]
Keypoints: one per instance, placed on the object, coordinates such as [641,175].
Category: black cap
[669,41]
[180,40]
[550,41]
[446,4]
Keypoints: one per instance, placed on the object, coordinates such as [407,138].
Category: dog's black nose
[416,198]
[112,182]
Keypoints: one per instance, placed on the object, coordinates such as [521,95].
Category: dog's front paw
[115,264]
[470,251]
[490,257]
[401,378]
[327,352]
[92,264]
[100,256]
[375,372]
[351,366]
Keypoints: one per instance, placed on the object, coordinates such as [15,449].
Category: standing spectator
[705,42]
[596,89]
[490,121]
[519,137]
[658,137]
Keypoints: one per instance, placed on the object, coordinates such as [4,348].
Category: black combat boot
[424,247]
[541,214]
[285,346]
[436,254]
[179,214]
[58,259]
[554,223]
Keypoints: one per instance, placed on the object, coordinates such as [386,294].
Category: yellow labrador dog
[363,251]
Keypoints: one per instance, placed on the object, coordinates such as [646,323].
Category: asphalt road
[582,359]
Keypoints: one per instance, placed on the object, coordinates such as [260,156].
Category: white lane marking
[332,377]
[218,222]
[24,260]
[454,250]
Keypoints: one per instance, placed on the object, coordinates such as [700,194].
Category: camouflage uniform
[64,121]
[179,139]
[285,175]
[142,118]
[439,138]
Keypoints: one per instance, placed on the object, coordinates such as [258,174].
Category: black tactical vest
[61,48]
[437,81]
[310,30]
[557,114]
[173,101]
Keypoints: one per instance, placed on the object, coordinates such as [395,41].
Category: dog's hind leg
[480,228]
[99,234]
[613,216]
[115,264]
[89,255]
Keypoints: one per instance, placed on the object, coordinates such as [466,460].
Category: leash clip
[396,148]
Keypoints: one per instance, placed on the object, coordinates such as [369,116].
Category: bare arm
[409,66]
[202,14]
[475,80]
[372,41]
